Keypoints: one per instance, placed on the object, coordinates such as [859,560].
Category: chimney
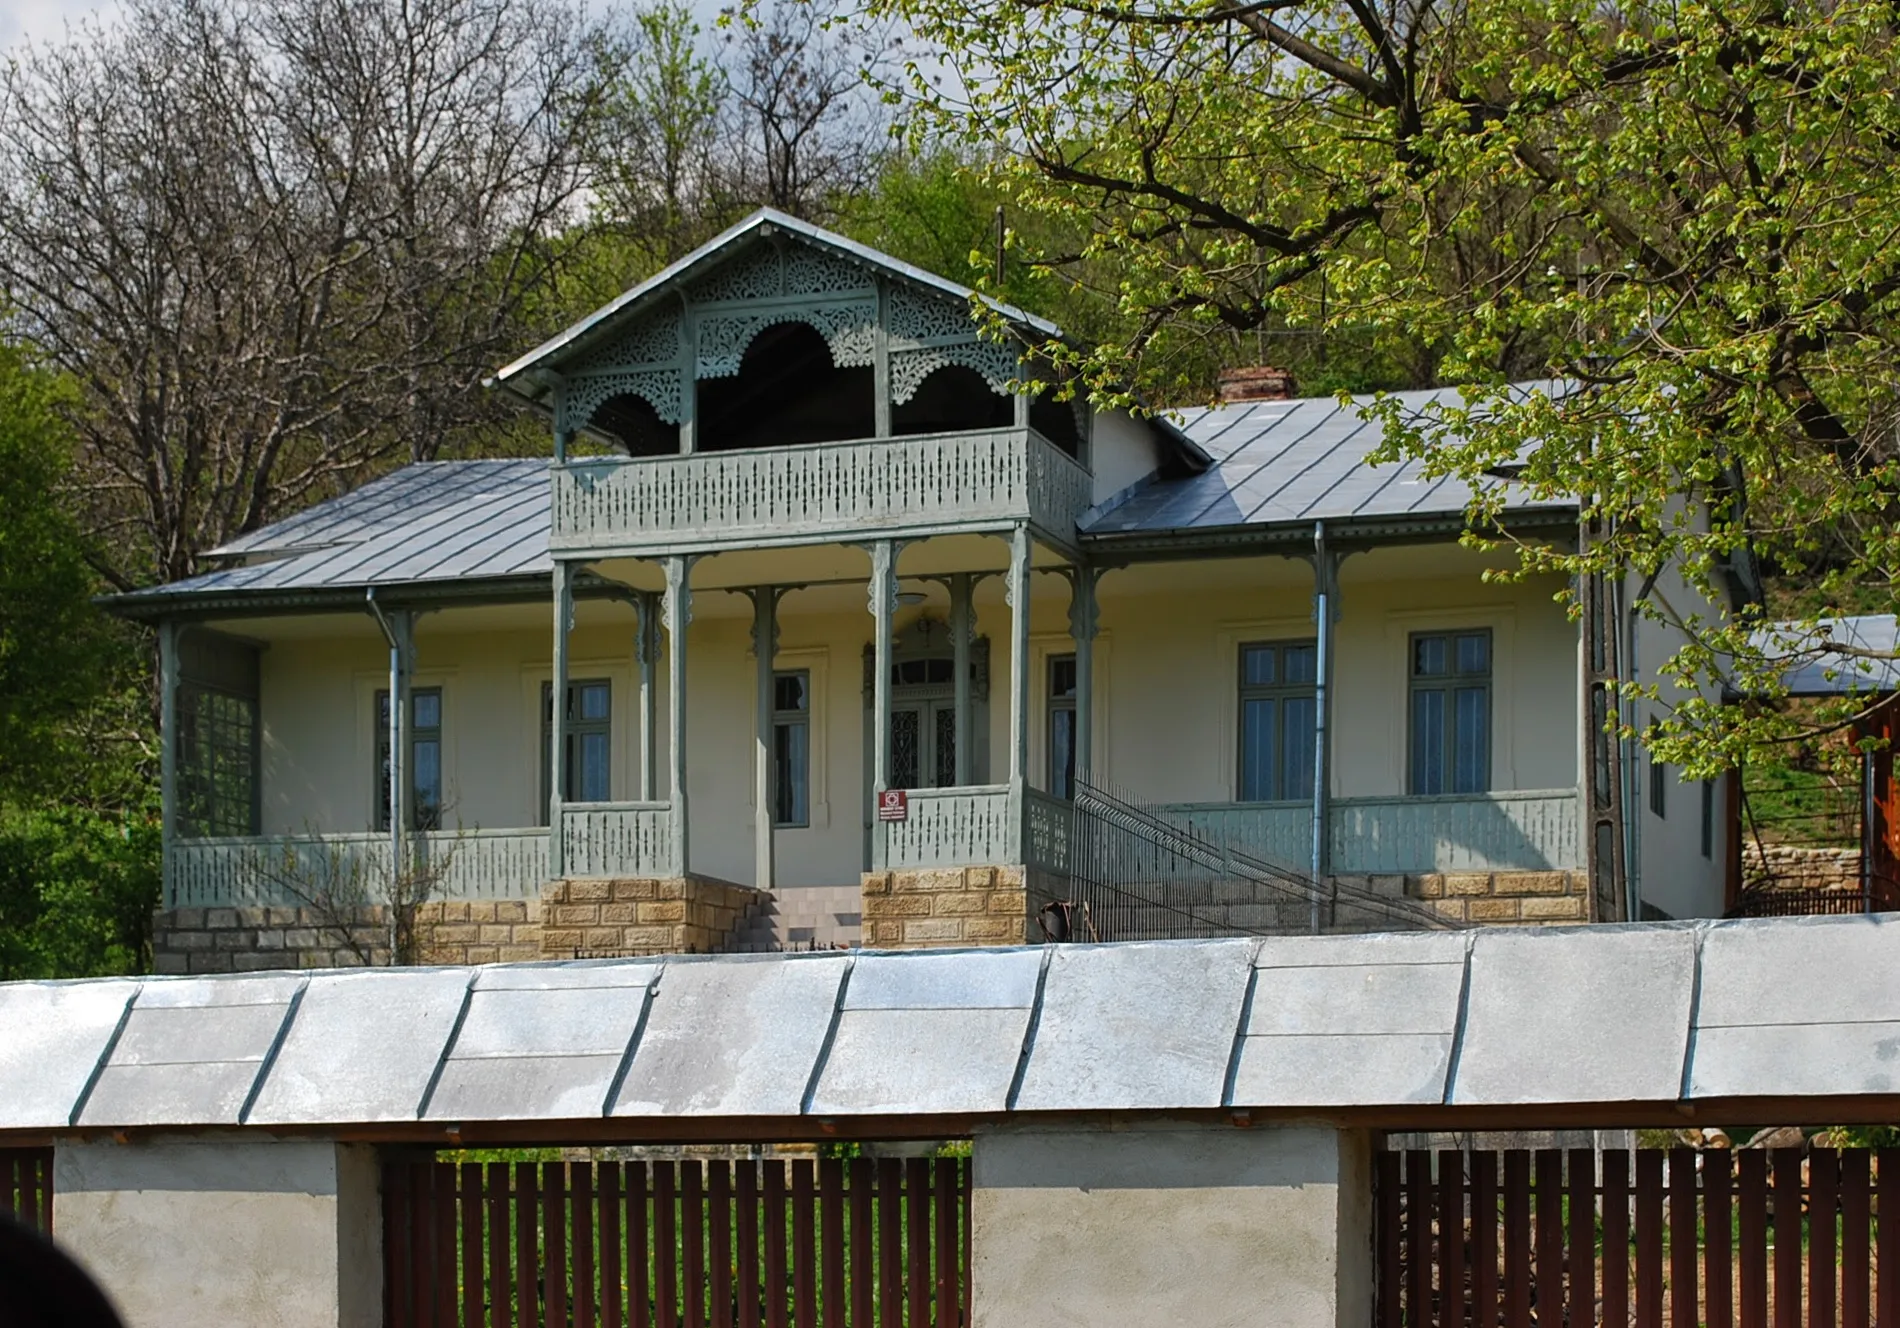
[1255,382]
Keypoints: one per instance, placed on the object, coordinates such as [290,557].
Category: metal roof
[1818,666]
[435,522]
[1290,463]
[1645,1014]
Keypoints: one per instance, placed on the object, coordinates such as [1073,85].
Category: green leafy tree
[1688,213]
[77,889]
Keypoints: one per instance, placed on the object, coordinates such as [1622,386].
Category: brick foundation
[1507,898]
[580,916]
[914,910]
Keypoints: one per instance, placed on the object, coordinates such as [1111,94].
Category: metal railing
[1135,874]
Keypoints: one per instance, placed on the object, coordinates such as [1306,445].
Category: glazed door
[923,744]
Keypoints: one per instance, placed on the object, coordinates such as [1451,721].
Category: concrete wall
[1167,690]
[1154,1225]
[259,1232]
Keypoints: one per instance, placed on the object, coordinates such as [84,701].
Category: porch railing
[821,490]
[950,827]
[618,839]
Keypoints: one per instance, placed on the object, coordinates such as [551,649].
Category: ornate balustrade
[1535,830]
[338,870]
[950,827]
[821,491]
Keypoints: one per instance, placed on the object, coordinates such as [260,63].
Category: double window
[791,748]
[424,743]
[217,762]
[1451,712]
[1277,709]
[587,758]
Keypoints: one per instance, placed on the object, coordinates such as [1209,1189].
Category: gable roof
[1817,665]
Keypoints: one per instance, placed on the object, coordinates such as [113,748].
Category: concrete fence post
[1210,1225]
[188,1233]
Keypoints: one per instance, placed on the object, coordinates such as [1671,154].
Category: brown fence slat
[693,1242]
[666,1268]
[1581,1294]
[969,1180]
[473,1260]
[1887,1247]
[1386,1239]
[1823,1260]
[639,1240]
[1549,1167]
[1718,1255]
[495,1201]
[1616,1238]
[423,1232]
[917,1237]
[1484,1240]
[863,1266]
[890,1184]
[831,1238]
[10,1163]
[609,1191]
[1856,1237]
[943,1222]
[527,1193]
[1684,1307]
[1451,1233]
[1517,1238]
[586,1284]
[1751,1237]
[774,1219]
[554,1244]
[398,1253]
[1418,1238]
[719,1240]
[747,1275]
[1785,1164]
[804,1246]
[1649,1239]
[446,1286]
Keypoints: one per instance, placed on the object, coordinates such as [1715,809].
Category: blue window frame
[587,763]
[1277,711]
[1450,712]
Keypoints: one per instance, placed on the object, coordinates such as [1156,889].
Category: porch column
[1084,616]
[1325,610]
[646,651]
[1017,593]
[883,596]
[679,613]
[557,726]
[167,755]
[962,632]
[764,649]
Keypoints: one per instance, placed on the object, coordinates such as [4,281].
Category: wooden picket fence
[1687,1238]
[26,1186]
[806,1243]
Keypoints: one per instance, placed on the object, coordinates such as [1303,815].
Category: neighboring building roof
[443,521]
[1292,462]
[1620,1018]
[1817,667]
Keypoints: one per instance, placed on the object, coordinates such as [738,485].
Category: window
[1062,725]
[217,762]
[425,758]
[1277,710]
[586,763]
[1451,712]
[791,749]
[1708,819]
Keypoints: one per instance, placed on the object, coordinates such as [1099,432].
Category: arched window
[952,398]
[633,423]
[787,391]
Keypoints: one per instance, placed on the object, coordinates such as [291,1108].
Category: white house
[1227,617]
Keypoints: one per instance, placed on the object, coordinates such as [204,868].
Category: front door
[923,744]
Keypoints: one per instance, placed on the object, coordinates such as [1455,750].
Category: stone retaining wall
[918,909]
[573,917]
[1794,868]
[1506,898]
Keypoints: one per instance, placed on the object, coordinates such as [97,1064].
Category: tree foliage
[1687,212]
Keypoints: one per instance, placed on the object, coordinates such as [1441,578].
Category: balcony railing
[340,870]
[820,491]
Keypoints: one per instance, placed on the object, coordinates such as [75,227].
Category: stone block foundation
[1506,897]
[583,917]
[921,908]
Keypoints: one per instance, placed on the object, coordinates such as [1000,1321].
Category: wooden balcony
[818,493]
[342,870]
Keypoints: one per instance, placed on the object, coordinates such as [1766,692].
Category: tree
[276,246]
[1688,212]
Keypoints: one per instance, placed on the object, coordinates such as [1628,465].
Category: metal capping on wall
[1657,1013]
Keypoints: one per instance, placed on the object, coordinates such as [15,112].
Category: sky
[42,20]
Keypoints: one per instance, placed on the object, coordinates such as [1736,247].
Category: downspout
[1635,805]
[396,771]
[1322,664]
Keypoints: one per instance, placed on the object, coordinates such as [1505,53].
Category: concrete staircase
[801,917]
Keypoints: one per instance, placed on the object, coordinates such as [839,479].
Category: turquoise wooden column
[764,649]
[168,757]
[557,726]
[962,634]
[646,654]
[1084,619]
[679,614]
[883,605]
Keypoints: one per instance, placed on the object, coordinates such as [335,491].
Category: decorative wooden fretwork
[849,330]
[909,368]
